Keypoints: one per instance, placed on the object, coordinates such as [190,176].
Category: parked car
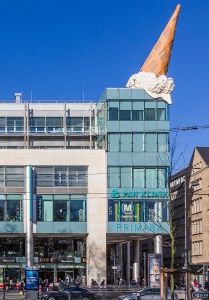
[75,292]
[145,293]
[54,295]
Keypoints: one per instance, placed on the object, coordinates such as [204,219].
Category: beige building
[196,176]
[198,200]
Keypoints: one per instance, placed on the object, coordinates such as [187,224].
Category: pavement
[11,296]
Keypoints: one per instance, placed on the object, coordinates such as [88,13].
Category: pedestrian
[102,284]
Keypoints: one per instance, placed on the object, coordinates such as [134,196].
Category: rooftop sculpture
[152,75]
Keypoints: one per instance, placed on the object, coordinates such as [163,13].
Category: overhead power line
[189,128]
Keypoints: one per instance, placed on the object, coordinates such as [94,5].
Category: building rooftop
[204,152]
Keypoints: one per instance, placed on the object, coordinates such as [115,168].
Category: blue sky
[50,46]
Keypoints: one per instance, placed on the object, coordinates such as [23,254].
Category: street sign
[31,280]
[114,267]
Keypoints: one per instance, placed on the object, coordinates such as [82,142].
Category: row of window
[137,177]
[137,110]
[148,114]
[61,208]
[44,248]
[138,142]
[45,176]
[137,211]
[43,124]
[196,205]
[196,226]
[61,176]
[197,248]
[50,208]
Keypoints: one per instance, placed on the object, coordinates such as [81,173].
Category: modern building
[83,184]
[91,178]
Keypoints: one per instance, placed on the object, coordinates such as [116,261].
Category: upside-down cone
[158,60]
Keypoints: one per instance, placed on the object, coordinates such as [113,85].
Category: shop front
[56,257]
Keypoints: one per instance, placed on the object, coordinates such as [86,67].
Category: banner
[154,265]
[31,280]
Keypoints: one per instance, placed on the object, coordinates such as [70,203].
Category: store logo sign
[115,193]
[127,208]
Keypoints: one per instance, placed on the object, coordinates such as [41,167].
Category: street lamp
[187,289]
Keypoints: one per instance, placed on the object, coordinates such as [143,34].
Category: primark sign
[131,194]
[138,227]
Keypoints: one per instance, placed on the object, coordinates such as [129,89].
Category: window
[15,124]
[60,208]
[126,178]
[150,211]
[113,113]
[125,210]
[196,205]
[2,207]
[125,115]
[126,142]
[138,142]
[47,202]
[197,248]
[162,178]
[161,114]
[77,209]
[113,142]
[75,124]
[44,177]
[86,123]
[197,226]
[151,178]
[14,208]
[138,178]
[149,114]
[196,184]
[54,124]
[37,124]
[150,142]
[3,124]
[114,177]
[78,176]
[162,142]
[14,177]
[137,115]
[60,174]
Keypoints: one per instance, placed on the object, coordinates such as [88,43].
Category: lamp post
[185,242]
[187,284]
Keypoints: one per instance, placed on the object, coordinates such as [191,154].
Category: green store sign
[115,193]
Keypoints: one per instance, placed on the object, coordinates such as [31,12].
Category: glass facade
[61,176]
[137,177]
[45,124]
[11,208]
[61,208]
[12,176]
[133,210]
[137,158]
[137,110]
[138,142]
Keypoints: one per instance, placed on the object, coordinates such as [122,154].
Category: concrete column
[136,261]
[121,259]
[96,221]
[158,244]
[128,262]
[29,251]
[158,238]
